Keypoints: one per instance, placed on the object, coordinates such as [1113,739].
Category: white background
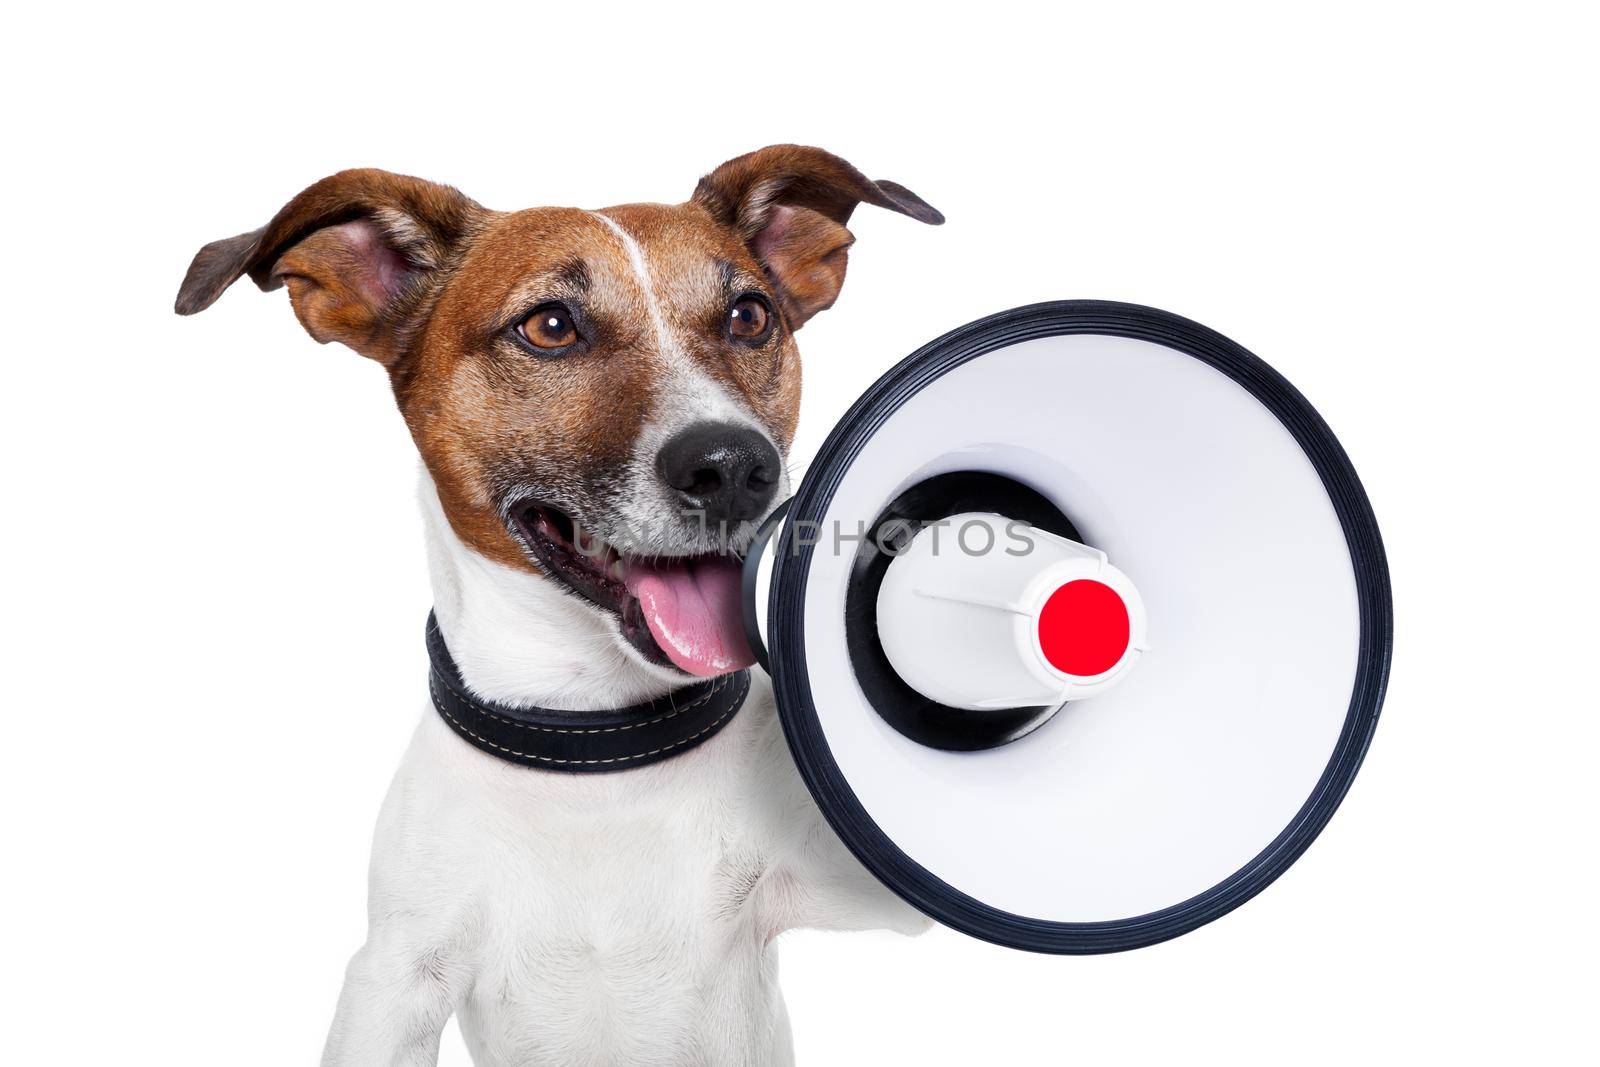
[213,574]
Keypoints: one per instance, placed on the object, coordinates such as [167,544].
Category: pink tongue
[694,612]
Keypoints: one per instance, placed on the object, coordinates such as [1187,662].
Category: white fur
[684,394]
[620,918]
[666,341]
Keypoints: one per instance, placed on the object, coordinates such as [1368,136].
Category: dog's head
[603,398]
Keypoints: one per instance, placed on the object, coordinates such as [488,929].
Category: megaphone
[1079,626]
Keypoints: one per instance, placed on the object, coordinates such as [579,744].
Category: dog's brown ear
[351,249]
[790,203]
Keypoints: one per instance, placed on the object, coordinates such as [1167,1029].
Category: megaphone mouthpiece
[1007,617]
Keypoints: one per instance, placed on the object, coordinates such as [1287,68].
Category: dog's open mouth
[680,609]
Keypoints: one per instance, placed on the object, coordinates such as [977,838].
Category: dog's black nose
[726,471]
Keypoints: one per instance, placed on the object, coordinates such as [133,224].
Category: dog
[603,402]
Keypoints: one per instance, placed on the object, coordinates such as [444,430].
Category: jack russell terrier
[603,401]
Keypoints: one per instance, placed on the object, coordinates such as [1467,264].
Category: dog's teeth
[585,542]
[618,571]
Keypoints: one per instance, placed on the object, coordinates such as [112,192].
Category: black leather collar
[586,741]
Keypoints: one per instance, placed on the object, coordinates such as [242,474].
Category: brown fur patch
[791,203]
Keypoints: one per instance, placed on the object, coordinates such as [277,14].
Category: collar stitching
[437,703]
[466,699]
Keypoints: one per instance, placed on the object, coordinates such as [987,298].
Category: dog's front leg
[398,994]
[416,968]
[814,881]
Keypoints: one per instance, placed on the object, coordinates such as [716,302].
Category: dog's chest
[621,918]
[624,950]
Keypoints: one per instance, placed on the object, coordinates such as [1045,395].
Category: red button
[1083,628]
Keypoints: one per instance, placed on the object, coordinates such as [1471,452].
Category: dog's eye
[550,326]
[749,319]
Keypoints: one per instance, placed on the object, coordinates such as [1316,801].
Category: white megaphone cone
[954,610]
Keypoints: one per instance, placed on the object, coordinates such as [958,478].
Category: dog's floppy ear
[790,203]
[351,249]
